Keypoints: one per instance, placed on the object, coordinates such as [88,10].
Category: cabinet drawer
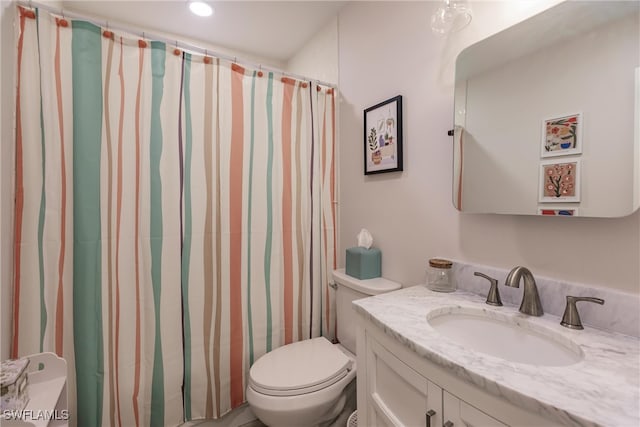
[398,394]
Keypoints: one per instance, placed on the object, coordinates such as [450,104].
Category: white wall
[83,11]
[386,49]
[318,58]
[7,98]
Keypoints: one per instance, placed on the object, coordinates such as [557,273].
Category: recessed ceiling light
[200,8]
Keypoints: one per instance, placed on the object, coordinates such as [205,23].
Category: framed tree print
[383,137]
[559,181]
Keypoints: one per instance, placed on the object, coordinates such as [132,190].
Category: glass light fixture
[451,16]
[200,8]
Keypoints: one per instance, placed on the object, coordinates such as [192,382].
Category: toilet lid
[299,368]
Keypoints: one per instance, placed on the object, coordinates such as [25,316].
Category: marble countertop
[602,389]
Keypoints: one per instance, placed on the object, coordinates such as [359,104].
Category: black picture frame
[383,137]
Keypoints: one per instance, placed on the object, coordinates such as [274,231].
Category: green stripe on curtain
[158,57]
[269,237]
[298,142]
[207,253]
[43,207]
[188,225]
[87,254]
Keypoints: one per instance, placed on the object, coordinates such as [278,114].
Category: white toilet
[305,383]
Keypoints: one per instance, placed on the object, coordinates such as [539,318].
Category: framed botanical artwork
[562,136]
[383,137]
[559,181]
[558,210]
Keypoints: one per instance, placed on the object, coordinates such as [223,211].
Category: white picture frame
[559,180]
[561,135]
[557,210]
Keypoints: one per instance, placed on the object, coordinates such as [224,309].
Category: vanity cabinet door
[398,396]
[462,414]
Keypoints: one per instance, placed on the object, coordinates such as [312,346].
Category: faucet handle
[571,318]
[493,298]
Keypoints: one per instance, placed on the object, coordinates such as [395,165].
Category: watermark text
[36,415]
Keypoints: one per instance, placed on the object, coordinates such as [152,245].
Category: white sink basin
[507,337]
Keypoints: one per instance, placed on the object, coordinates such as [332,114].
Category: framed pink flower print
[559,181]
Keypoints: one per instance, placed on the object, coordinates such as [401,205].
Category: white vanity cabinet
[397,388]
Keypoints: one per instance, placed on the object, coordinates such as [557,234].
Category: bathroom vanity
[413,372]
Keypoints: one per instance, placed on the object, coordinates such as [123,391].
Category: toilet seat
[299,368]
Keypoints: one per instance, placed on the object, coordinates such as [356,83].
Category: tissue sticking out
[365,239]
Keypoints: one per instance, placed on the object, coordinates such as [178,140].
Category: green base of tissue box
[364,263]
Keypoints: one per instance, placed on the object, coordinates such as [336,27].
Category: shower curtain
[174,219]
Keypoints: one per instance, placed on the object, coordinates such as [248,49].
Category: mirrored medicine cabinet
[547,115]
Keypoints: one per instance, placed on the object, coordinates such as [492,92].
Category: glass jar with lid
[440,275]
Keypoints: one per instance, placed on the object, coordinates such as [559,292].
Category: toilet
[307,383]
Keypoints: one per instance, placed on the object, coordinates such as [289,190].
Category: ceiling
[266,29]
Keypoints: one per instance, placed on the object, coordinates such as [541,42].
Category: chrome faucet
[530,299]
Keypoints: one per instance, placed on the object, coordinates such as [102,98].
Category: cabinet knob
[430,413]
[447,424]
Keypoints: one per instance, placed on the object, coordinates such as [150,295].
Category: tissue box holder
[13,382]
[364,263]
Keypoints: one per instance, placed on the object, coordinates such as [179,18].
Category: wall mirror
[547,115]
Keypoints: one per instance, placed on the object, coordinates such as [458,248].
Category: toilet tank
[349,289]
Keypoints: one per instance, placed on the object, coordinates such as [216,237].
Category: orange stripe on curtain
[218,252]
[17,231]
[235,220]
[323,146]
[109,216]
[461,145]
[118,229]
[287,112]
[136,383]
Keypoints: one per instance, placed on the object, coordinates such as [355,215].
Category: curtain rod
[184,46]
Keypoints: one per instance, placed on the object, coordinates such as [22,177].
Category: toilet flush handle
[333,285]
[430,413]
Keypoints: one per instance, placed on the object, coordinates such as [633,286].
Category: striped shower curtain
[174,219]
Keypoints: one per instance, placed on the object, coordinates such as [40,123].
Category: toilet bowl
[307,383]
[285,391]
